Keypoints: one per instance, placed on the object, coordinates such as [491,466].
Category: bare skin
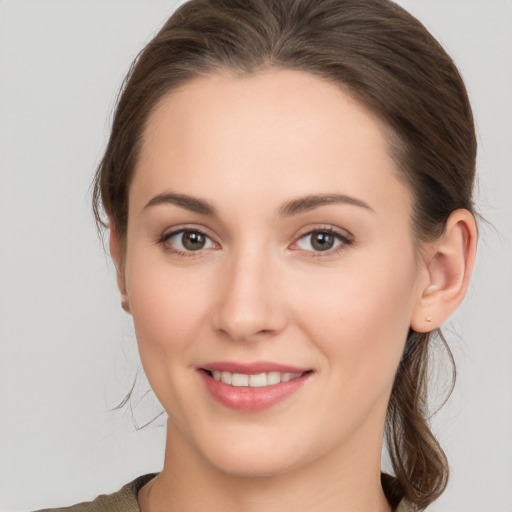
[332,285]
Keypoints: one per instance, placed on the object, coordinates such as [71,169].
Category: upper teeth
[257,380]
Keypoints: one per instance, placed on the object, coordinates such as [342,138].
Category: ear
[449,261]
[117,253]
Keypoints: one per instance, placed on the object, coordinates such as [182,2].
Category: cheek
[168,308]
[360,318]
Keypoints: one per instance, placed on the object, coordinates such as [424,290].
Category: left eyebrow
[306,203]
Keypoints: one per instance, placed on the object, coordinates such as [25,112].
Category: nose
[250,302]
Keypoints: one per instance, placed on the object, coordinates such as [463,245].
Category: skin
[259,291]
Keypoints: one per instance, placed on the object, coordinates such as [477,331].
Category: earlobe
[116,251]
[449,264]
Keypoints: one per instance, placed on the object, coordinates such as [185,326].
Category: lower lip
[250,399]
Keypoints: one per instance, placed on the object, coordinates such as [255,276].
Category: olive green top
[125,500]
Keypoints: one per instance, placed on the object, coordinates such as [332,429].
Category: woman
[288,191]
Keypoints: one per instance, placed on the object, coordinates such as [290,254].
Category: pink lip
[250,399]
[252,368]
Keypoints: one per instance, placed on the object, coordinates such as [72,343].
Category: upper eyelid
[167,246]
[186,227]
[346,239]
[342,233]
[164,239]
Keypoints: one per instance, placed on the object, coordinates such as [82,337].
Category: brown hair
[389,62]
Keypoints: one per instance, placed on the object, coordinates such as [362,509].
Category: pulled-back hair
[389,62]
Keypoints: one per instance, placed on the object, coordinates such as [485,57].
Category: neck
[188,482]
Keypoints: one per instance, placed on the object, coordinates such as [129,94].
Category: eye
[322,240]
[188,240]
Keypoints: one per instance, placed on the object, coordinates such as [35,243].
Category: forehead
[266,133]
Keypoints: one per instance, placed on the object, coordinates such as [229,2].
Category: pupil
[322,241]
[193,241]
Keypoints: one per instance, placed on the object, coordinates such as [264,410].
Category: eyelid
[163,239]
[346,239]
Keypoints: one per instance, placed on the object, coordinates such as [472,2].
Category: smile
[258,380]
[252,387]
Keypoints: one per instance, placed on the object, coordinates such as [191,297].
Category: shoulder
[124,500]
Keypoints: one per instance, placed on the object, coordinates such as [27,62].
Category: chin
[254,467]
[255,453]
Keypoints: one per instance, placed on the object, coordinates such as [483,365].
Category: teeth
[257,380]
[274,378]
[239,379]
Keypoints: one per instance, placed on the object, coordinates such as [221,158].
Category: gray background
[67,351]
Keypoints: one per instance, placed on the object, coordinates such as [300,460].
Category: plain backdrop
[67,353]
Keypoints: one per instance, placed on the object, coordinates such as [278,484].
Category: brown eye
[188,240]
[321,241]
[193,241]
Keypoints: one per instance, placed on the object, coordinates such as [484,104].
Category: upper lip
[253,368]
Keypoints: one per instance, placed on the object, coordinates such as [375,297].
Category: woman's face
[269,246]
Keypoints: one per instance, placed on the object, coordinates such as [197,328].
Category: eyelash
[344,242]
[164,242]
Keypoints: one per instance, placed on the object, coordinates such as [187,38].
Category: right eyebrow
[183,201]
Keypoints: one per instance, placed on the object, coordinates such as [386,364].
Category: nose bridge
[249,296]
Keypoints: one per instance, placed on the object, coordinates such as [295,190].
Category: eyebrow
[307,203]
[187,202]
[293,207]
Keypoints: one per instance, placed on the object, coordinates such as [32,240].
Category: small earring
[428,319]
[124,303]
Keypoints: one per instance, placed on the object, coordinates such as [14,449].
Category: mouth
[253,380]
[252,388]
